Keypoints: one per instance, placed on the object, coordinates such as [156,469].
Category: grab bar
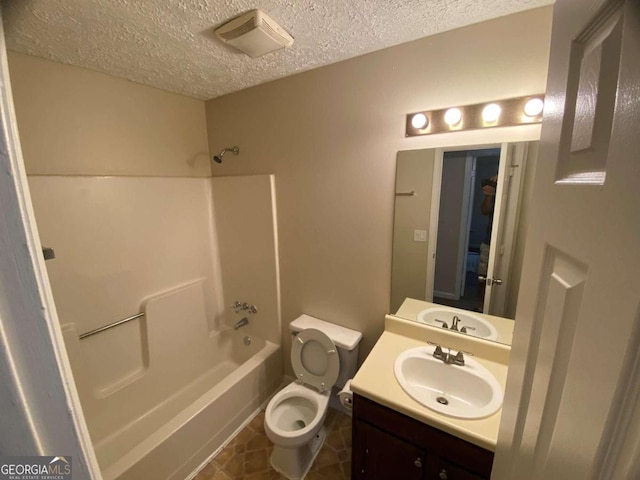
[412,193]
[111,325]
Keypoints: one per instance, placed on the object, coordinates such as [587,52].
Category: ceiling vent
[254,33]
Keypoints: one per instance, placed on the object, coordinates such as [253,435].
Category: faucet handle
[438,353]
[444,324]
[458,358]
[248,307]
[465,328]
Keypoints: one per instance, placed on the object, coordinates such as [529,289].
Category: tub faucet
[241,323]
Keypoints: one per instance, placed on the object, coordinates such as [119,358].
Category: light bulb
[453,116]
[419,120]
[491,112]
[533,107]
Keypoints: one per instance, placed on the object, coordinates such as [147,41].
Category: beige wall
[76,121]
[414,172]
[331,135]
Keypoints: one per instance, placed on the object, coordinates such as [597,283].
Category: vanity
[421,410]
[388,444]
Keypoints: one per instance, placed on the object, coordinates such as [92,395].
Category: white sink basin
[468,391]
[482,328]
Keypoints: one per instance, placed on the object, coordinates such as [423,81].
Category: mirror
[460,220]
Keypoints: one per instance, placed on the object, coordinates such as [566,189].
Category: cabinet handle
[443,474]
[418,462]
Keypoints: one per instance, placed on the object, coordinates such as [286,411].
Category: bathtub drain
[442,401]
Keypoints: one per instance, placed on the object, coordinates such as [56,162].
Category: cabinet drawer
[441,469]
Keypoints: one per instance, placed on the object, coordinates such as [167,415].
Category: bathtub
[175,436]
[160,394]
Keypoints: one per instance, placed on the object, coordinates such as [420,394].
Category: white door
[572,401]
[505,219]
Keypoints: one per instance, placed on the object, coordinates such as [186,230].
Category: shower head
[218,158]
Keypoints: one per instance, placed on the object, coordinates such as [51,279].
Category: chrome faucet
[241,323]
[244,306]
[455,323]
[444,324]
[449,358]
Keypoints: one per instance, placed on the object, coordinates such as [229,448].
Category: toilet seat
[315,359]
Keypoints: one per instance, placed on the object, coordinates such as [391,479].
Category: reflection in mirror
[465,220]
[463,322]
[459,225]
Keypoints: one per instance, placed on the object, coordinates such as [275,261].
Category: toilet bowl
[294,417]
[296,414]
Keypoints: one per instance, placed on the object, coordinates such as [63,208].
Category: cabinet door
[441,469]
[380,456]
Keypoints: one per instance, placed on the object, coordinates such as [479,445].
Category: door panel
[576,325]
[385,456]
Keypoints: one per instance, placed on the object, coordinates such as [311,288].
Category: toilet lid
[315,359]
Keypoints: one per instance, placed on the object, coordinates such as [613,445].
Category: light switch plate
[419,235]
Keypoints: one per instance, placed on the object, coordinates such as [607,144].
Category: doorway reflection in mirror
[465,222]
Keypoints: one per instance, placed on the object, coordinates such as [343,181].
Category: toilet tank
[346,341]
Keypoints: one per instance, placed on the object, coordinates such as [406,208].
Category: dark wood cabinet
[388,444]
[388,456]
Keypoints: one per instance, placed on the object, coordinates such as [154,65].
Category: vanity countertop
[376,380]
[411,307]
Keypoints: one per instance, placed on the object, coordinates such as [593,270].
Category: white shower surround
[160,393]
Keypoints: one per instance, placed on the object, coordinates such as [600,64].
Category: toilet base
[295,463]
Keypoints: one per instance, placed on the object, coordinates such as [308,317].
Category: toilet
[323,356]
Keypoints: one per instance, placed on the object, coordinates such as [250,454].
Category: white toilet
[323,355]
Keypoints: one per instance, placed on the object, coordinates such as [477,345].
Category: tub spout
[241,323]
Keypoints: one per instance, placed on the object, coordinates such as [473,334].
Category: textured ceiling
[170,44]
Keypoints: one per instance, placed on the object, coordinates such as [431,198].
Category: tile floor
[247,455]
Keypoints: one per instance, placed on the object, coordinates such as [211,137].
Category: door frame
[38,395]
[465,223]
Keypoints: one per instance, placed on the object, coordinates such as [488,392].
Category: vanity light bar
[501,113]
